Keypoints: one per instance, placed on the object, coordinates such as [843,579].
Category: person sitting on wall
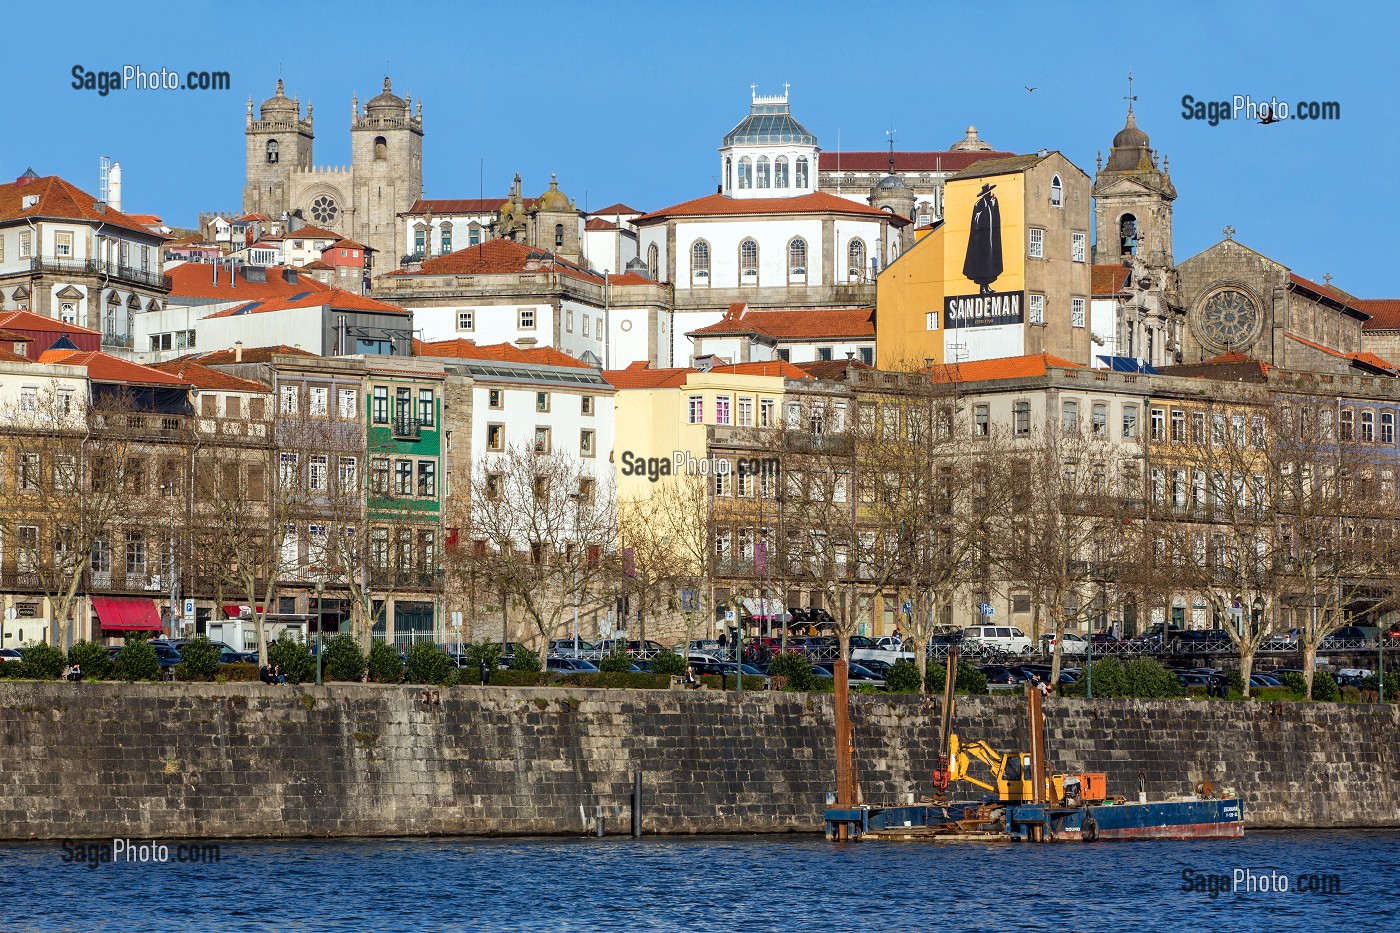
[690,680]
[277,675]
[75,673]
[265,674]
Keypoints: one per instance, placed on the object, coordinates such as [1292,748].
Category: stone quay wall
[167,761]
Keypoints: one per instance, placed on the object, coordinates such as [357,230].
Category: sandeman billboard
[984,251]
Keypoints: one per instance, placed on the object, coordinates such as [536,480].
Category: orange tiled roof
[818,202]
[311,233]
[59,198]
[642,376]
[856,323]
[1385,313]
[150,220]
[250,355]
[501,256]
[10,356]
[830,369]
[9,336]
[1327,291]
[462,349]
[630,278]
[613,210]
[598,223]
[322,296]
[28,320]
[196,280]
[1008,367]
[442,206]
[202,377]
[103,367]
[346,244]
[1108,279]
[1369,360]
[247,217]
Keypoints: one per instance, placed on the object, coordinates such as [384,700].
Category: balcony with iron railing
[98,267]
[407,428]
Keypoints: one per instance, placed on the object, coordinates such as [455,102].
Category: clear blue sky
[628,101]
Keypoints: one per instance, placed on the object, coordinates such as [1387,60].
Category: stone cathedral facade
[362,201]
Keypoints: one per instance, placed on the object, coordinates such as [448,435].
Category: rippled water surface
[711,883]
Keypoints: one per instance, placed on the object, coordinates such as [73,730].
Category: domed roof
[387,100]
[970,143]
[769,123]
[1130,147]
[553,199]
[891,181]
[279,102]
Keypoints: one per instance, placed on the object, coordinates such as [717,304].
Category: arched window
[797,257]
[748,262]
[745,173]
[1057,192]
[764,179]
[856,253]
[558,234]
[381,149]
[780,172]
[653,261]
[728,173]
[272,153]
[802,171]
[700,261]
[1127,235]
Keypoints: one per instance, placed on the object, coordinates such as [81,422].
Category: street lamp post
[320,624]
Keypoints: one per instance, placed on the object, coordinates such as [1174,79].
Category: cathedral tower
[278,144]
[386,145]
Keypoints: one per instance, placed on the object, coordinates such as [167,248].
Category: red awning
[127,613]
[236,612]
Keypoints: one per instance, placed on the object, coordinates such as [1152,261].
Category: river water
[709,883]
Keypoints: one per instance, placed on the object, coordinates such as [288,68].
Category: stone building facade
[361,202]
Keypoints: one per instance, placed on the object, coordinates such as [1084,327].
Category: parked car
[571,648]
[1106,639]
[1198,640]
[1344,638]
[855,674]
[1152,639]
[728,669]
[228,656]
[1392,636]
[880,669]
[10,654]
[1282,641]
[891,642]
[1194,679]
[703,646]
[1001,675]
[1263,680]
[1352,676]
[1073,644]
[868,649]
[1001,637]
[644,649]
[562,665]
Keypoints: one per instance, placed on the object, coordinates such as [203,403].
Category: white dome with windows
[769,154]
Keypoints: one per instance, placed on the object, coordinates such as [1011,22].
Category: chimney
[238,351]
[114,186]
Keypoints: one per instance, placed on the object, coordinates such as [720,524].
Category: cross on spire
[786,86]
[753,89]
[1229,232]
[1130,96]
[890,133]
[1326,278]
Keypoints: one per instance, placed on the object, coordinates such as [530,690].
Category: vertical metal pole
[320,625]
[637,805]
[1088,667]
[738,653]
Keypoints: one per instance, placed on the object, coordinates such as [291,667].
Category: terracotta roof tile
[311,233]
[630,278]
[10,336]
[442,206]
[59,198]
[1369,360]
[10,356]
[337,299]
[614,210]
[150,220]
[831,369]
[250,355]
[1385,313]
[28,320]
[462,349]
[103,367]
[196,280]
[1326,291]
[1009,367]
[644,377]
[903,161]
[346,244]
[858,323]
[818,202]
[1108,280]
[598,224]
[202,377]
[500,256]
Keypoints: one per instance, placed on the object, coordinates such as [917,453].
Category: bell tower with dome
[361,201]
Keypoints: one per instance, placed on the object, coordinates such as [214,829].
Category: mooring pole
[598,820]
[637,805]
[845,795]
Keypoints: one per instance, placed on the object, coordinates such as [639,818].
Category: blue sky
[628,101]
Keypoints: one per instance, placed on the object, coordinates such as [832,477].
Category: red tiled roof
[321,297]
[499,256]
[1385,313]
[196,280]
[598,223]
[830,369]
[9,336]
[61,199]
[1369,360]
[462,349]
[250,355]
[818,202]
[903,161]
[1327,291]
[150,220]
[346,244]
[10,356]
[630,278]
[1008,367]
[1108,280]
[28,320]
[247,217]
[794,325]
[613,210]
[642,376]
[103,367]
[202,377]
[461,205]
[311,233]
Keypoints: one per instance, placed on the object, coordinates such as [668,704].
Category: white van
[1001,637]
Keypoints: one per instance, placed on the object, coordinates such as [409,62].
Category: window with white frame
[745,172]
[1076,312]
[585,443]
[1037,309]
[700,260]
[317,401]
[695,410]
[348,409]
[1037,247]
[931,320]
[780,172]
[1078,246]
[466,320]
[585,325]
[318,465]
[527,319]
[1057,192]
[289,400]
[348,473]
[766,409]
[288,470]
[748,261]
[722,409]
[744,412]
[63,244]
[802,171]
[797,256]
